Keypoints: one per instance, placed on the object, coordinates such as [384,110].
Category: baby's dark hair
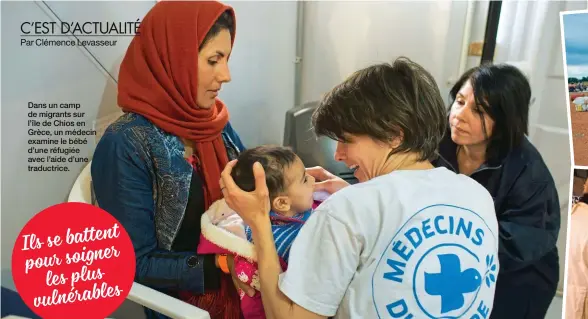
[274,159]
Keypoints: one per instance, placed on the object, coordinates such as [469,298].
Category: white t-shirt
[409,244]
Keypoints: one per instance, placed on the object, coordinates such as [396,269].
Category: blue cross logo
[452,283]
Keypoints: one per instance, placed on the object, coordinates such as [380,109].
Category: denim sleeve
[528,224]
[234,137]
[123,187]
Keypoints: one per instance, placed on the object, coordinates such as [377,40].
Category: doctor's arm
[275,303]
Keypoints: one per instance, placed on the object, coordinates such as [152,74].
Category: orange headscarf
[159,79]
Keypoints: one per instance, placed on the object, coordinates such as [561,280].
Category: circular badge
[73,260]
[442,263]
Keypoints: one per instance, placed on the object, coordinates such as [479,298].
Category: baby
[290,190]
[292,199]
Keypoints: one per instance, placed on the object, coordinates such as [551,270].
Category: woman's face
[362,154]
[466,118]
[213,68]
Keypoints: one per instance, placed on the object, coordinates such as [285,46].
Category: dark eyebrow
[222,55]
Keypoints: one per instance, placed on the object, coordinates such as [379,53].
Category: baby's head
[290,188]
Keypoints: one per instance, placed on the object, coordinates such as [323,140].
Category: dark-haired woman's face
[466,118]
[213,68]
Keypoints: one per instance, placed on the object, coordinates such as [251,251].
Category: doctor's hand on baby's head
[325,180]
[254,206]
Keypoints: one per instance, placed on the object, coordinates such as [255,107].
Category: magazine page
[293,159]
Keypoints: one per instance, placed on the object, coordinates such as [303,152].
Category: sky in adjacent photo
[576,44]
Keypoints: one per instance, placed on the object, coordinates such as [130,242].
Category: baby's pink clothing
[223,232]
[247,271]
[251,307]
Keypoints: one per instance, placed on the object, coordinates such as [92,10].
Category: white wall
[341,37]
[262,67]
[478,29]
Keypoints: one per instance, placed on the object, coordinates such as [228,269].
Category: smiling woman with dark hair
[487,141]
[408,241]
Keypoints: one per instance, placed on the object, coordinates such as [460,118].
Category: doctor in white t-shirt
[408,241]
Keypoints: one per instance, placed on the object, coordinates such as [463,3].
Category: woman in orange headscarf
[157,168]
